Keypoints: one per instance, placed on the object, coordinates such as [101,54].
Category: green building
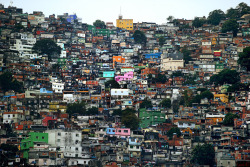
[104,32]
[61,61]
[219,66]
[150,117]
[100,32]
[246,32]
[34,137]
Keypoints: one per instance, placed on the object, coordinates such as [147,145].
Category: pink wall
[127,76]
[122,133]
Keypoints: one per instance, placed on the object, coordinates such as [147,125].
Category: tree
[47,46]
[55,67]
[162,41]
[100,24]
[243,8]
[216,16]
[225,76]
[172,131]
[166,103]
[176,104]
[7,82]
[170,18]
[146,104]
[130,120]
[186,55]
[232,13]
[139,37]
[244,58]
[92,111]
[18,28]
[9,152]
[238,87]
[195,99]
[8,147]
[207,94]
[112,84]
[128,110]
[76,108]
[161,78]
[177,74]
[230,25]
[117,112]
[176,22]
[229,119]
[198,22]
[203,155]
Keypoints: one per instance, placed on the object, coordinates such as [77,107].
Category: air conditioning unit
[17,159]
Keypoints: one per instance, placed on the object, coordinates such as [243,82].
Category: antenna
[11,3]
[120,15]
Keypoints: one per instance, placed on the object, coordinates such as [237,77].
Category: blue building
[153,55]
[110,131]
[71,18]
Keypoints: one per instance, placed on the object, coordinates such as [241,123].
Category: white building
[23,43]
[57,87]
[69,142]
[171,61]
[13,117]
[120,92]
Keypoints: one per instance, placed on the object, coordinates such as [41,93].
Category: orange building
[118,59]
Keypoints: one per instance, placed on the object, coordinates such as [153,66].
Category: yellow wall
[222,97]
[125,24]
[188,130]
[54,106]
[216,119]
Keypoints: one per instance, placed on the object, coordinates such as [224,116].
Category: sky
[139,10]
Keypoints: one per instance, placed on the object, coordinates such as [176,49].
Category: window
[77,135]
[131,147]
[8,115]
[119,131]
[43,137]
[125,131]
[59,134]
[36,137]
[76,148]
[58,140]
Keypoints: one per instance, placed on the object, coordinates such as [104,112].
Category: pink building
[122,132]
[127,76]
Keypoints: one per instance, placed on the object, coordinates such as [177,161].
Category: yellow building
[214,41]
[124,23]
[221,97]
[55,106]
